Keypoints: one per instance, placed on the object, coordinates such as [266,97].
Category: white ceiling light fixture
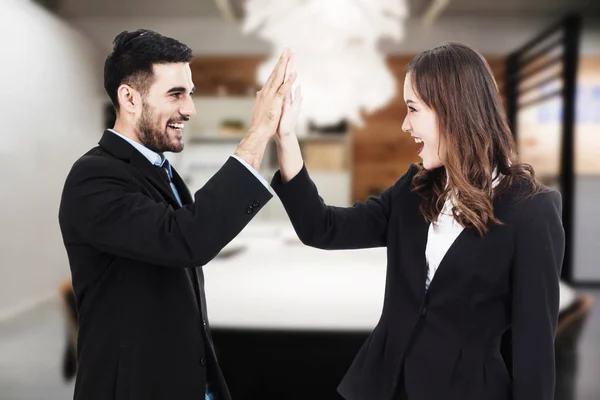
[340,68]
[435,9]
[226,10]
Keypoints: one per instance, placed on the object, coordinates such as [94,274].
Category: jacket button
[203,361]
[249,210]
[255,203]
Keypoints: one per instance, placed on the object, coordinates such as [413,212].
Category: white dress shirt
[440,237]
[567,296]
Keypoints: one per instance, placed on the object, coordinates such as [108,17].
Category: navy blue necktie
[164,171]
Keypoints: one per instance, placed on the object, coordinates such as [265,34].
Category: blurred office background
[287,320]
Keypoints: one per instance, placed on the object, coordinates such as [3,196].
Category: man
[136,239]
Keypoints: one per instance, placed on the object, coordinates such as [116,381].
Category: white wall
[50,111]
[495,36]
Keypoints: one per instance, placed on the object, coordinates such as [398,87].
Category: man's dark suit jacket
[136,258]
[444,343]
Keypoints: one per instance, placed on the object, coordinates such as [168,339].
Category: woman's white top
[440,237]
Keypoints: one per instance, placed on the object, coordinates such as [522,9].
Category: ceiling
[138,8]
[517,8]
[209,9]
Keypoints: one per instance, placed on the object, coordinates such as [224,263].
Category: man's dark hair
[133,56]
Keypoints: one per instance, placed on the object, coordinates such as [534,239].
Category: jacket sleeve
[363,225]
[538,261]
[107,208]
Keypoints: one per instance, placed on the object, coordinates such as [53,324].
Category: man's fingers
[276,78]
[282,57]
[289,69]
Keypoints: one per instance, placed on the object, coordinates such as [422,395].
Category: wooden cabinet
[225,75]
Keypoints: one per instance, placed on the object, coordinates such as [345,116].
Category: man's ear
[129,98]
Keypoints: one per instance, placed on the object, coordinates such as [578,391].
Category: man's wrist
[252,148]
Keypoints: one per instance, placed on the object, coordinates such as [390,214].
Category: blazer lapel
[182,189]
[153,174]
[124,151]
[464,246]
[195,274]
[465,240]
[415,227]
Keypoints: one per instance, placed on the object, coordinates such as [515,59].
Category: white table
[276,282]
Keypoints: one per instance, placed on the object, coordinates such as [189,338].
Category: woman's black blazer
[444,343]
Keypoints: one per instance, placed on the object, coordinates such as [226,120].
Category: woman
[474,244]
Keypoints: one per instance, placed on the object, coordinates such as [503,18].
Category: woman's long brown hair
[456,82]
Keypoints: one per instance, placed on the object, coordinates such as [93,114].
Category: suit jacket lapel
[465,240]
[464,246]
[153,174]
[195,274]
[124,151]
[182,189]
[414,227]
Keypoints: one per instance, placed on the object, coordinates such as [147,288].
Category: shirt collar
[154,158]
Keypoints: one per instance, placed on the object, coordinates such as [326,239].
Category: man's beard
[154,136]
